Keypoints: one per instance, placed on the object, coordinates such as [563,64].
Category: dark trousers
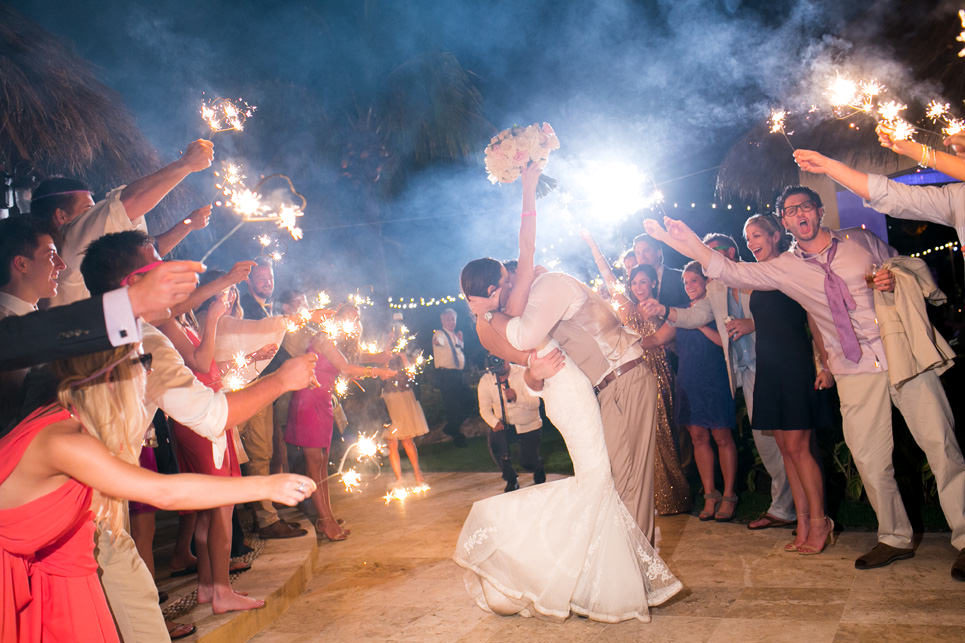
[455,399]
[529,457]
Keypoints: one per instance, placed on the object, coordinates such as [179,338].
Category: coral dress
[194,451]
[48,575]
[310,413]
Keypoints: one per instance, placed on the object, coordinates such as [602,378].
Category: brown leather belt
[622,369]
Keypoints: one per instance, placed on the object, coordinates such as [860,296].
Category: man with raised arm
[67,206]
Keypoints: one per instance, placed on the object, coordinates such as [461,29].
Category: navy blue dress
[703,391]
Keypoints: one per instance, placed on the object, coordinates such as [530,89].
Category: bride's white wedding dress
[569,545]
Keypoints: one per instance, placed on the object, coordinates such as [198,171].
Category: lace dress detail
[567,546]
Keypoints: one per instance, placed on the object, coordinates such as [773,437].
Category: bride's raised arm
[525,268]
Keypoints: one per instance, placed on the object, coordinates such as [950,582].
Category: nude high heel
[832,538]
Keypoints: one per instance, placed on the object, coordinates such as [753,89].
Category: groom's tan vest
[594,338]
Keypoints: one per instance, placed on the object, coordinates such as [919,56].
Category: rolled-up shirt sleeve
[550,297]
[936,204]
[122,326]
[173,387]
[753,276]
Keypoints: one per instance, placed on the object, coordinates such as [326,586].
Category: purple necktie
[840,301]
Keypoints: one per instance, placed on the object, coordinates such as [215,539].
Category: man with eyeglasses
[828,272]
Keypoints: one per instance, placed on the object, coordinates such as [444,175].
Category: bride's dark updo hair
[478,275]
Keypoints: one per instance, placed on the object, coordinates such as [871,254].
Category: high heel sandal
[716,497]
[832,538]
[721,517]
[320,530]
[792,546]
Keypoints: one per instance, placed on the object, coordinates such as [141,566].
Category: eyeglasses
[144,360]
[791,210]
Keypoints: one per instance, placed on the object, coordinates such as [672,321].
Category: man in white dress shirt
[508,407]
[449,361]
[29,266]
[67,206]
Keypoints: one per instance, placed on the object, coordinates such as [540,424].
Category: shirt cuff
[715,266]
[122,326]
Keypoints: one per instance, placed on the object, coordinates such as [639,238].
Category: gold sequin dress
[671,490]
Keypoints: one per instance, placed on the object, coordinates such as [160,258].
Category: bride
[569,545]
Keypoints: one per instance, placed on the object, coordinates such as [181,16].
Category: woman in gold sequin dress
[671,489]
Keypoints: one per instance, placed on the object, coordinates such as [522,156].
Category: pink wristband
[529,213]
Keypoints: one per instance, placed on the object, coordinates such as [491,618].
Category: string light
[404,303]
[945,246]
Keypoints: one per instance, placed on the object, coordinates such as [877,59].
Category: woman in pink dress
[60,470]
[310,418]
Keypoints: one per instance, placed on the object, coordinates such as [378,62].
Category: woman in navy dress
[705,405]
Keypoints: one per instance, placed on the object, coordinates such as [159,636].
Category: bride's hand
[548,365]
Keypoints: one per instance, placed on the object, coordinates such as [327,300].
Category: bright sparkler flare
[341,387]
[417,366]
[291,325]
[232,382]
[937,110]
[239,360]
[961,36]
[842,91]
[366,446]
[322,299]
[352,480]
[902,130]
[264,240]
[955,126]
[776,120]
[370,347]
[891,111]
[224,115]
[401,493]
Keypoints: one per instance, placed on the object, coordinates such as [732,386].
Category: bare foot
[205,593]
[235,602]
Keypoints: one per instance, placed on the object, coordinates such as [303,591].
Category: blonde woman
[73,463]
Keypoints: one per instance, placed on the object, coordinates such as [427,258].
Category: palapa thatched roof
[56,118]
[919,37]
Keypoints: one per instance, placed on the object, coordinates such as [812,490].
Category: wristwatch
[488,316]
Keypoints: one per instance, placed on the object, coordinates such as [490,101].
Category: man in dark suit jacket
[670,284]
[89,326]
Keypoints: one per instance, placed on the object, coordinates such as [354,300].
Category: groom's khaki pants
[629,409]
[866,411]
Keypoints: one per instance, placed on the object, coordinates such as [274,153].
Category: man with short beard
[830,274]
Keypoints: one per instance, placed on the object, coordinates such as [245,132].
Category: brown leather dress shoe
[280,529]
[958,567]
[882,555]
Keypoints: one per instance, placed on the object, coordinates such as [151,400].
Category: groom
[591,334]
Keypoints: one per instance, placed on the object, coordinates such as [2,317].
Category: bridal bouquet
[512,149]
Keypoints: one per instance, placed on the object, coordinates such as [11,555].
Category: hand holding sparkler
[957,144]
[811,161]
[198,220]
[240,271]
[651,308]
[288,488]
[299,372]
[198,156]
[153,295]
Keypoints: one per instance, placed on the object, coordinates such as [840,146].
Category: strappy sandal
[722,517]
[704,516]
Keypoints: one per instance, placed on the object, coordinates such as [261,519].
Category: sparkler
[961,36]
[359,300]
[848,98]
[250,205]
[368,451]
[232,382]
[778,116]
[401,493]
[225,115]
[939,112]
[416,366]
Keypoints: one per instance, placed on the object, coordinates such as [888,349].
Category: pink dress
[48,576]
[310,414]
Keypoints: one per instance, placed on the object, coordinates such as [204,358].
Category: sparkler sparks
[340,387]
[352,480]
[232,382]
[239,360]
[845,94]
[776,120]
[401,493]
[416,366]
[961,36]
[224,115]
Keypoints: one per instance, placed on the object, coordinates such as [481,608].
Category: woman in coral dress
[61,470]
